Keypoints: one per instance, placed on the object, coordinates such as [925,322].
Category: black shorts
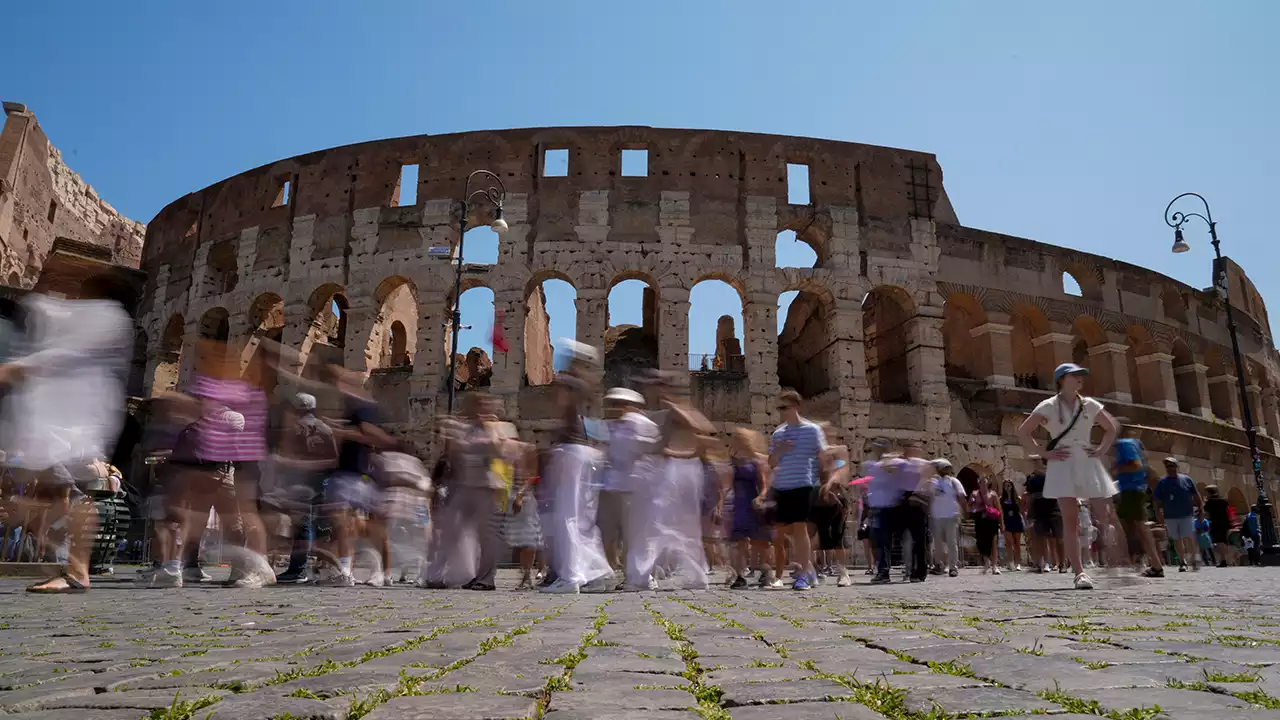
[830,522]
[1047,523]
[1131,506]
[793,506]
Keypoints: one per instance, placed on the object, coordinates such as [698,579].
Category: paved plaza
[1195,645]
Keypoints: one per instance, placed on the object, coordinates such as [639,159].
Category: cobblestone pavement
[1194,645]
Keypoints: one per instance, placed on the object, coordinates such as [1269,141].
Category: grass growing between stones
[1092,664]
[1257,696]
[182,709]
[710,698]
[569,661]
[1081,706]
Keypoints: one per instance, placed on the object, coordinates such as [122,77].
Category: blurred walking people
[64,406]
[305,454]
[749,532]
[947,503]
[632,436]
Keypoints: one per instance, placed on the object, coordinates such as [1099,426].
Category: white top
[69,407]
[1058,416]
[1080,475]
[946,491]
[631,437]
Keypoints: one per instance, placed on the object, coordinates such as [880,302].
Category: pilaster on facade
[1224,399]
[1193,381]
[1109,366]
[997,353]
[1254,394]
[1155,375]
[673,329]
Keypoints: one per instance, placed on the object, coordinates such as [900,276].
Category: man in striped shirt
[794,452]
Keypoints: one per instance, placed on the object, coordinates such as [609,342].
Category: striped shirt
[798,467]
[218,439]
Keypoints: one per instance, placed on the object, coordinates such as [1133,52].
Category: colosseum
[908,325]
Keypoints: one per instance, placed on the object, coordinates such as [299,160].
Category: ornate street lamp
[1270,548]
[494,194]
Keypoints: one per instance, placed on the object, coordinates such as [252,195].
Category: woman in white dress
[1075,470]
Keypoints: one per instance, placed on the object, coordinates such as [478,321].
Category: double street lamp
[493,194]
[1176,220]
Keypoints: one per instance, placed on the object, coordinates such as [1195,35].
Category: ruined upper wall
[720,169]
[42,199]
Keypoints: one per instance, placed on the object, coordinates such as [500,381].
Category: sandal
[72,586]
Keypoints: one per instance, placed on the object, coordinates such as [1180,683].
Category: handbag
[1053,442]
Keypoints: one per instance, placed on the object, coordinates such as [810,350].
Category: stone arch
[538,336]
[1033,360]
[969,475]
[1237,500]
[215,324]
[396,300]
[964,355]
[792,249]
[475,339]
[168,355]
[1186,380]
[888,320]
[717,345]
[1086,279]
[325,341]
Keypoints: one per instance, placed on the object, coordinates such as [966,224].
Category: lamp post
[493,194]
[1176,220]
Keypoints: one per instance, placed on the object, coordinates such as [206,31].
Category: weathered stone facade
[909,326]
[42,199]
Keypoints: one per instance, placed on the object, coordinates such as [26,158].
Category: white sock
[173,567]
[344,565]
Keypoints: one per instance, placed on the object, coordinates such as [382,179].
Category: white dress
[1079,476]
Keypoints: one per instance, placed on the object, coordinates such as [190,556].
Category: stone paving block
[805,711]
[622,714]
[265,706]
[976,700]
[456,706]
[1169,700]
[142,700]
[357,680]
[633,664]
[932,680]
[64,715]
[589,702]
[590,680]
[493,678]
[748,693]
[755,674]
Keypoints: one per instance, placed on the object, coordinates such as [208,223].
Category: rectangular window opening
[284,194]
[555,163]
[797,184]
[635,163]
[53,209]
[408,189]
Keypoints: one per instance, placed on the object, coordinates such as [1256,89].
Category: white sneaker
[844,580]
[561,587]
[337,579]
[377,579]
[995,571]
[775,584]
[252,579]
[162,578]
[1084,582]
[1017,568]
[195,575]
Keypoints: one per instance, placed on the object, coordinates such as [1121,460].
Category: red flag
[499,342]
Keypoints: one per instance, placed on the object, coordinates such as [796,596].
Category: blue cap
[1068,369]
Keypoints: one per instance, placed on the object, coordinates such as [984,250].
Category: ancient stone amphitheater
[908,325]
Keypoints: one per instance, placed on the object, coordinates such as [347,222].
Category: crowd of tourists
[302,465]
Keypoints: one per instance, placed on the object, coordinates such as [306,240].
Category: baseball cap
[1068,369]
[624,395]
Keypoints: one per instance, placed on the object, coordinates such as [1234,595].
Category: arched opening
[631,340]
[969,475]
[325,343]
[475,339]
[1071,286]
[1237,500]
[1221,387]
[221,274]
[169,356]
[790,251]
[215,325]
[551,313]
[715,315]
[806,342]
[393,337]
[887,316]
[1185,381]
[1032,364]
[266,317]
[965,356]
[15,280]
[480,246]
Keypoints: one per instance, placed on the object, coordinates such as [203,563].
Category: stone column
[592,308]
[508,367]
[673,330]
[760,345]
[997,353]
[1155,373]
[430,358]
[1058,346]
[1110,368]
[1192,383]
[355,340]
[1254,394]
[926,368]
[295,336]
[1270,413]
[1224,399]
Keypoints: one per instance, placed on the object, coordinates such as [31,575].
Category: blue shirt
[1128,450]
[1202,526]
[798,467]
[1176,495]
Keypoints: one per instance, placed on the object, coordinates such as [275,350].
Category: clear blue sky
[1071,123]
